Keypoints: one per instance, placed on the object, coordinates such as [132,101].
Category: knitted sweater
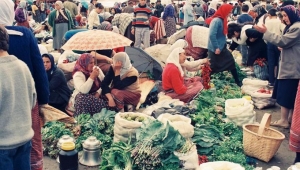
[172,79]
[26,49]
[18,97]
[141,15]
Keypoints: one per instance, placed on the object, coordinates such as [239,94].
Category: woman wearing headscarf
[188,12]
[86,97]
[61,21]
[173,82]
[285,88]
[59,90]
[258,12]
[123,78]
[43,11]
[195,52]
[168,17]
[21,14]
[36,12]
[212,8]
[23,45]
[220,57]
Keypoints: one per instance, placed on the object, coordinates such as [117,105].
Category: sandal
[276,124]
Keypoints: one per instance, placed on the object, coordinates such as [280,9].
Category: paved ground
[283,159]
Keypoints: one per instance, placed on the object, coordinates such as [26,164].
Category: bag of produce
[240,111]
[261,69]
[188,158]
[126,125]
[262,98]
[178,122]
[252,85]
[220,165]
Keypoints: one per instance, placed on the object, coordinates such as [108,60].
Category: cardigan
[59,90]
[18,97]
[172,79]
[289,62]
[217,39]
[26,49]
[52,17]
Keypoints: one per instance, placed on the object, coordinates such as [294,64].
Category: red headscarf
[222,13]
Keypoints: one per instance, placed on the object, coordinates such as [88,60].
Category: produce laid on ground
[156,144]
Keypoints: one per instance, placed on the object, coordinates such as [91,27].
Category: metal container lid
[63,139]
[91,143]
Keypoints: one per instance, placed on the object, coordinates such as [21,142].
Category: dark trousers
[273,58]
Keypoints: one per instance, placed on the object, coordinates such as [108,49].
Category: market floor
[283,159]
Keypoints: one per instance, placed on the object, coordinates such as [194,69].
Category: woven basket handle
[265,123]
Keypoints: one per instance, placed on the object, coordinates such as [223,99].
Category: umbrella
[144,62]
[96,40]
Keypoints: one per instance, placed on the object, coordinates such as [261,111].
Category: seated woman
[173,81]
[195,52]
[124,80]
[87,97]
[59,90]
[246,35]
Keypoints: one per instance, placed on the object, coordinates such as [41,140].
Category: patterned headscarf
[82,64]
[105,25]
[293,14]
[222,13]
[260,10]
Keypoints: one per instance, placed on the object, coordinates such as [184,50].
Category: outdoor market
[149,85]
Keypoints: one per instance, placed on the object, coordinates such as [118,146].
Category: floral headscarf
[222,13]
[82,64]
[293,14]
[260,10]
[106,26]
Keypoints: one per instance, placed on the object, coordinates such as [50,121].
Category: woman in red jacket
[173,81]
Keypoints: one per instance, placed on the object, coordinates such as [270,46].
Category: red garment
[222,13]
[36,154]
[295,128]
[153,21]
[119,49]
[172,79]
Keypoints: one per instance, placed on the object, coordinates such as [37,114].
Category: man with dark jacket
[159,9]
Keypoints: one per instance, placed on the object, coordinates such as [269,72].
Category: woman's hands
[218,51]
[95,73]
[111,101]
[109,60]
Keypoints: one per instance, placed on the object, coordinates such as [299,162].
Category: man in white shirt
[93,20]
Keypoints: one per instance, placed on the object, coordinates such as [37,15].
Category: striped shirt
[141,15]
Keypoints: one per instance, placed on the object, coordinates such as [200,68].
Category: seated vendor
[87,97]
[59,90]
[173,82]
[123,78]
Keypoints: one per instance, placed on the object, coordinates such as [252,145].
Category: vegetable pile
[131,117]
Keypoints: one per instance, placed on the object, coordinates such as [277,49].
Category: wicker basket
[260,141]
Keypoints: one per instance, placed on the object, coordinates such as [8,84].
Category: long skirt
[89,104]
[170,26]
[61,29]
[36,154]
[295,128]
[221,62]
[194,88]
[123,97]
[285,91]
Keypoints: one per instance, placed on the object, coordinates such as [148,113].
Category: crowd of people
[108,79]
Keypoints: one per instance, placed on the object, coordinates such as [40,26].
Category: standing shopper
[168,17]
[188,12]
[220,57]
[23,45]
[61,21]
[73,9]
[21,15]
[16,103]
[285,88]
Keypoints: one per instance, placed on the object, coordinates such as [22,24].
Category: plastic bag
[261,72]
[180,123]
[262,100]
[220,165]
[190,159]
[252,85]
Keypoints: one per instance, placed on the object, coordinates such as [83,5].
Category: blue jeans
[16,159]
[273,58]
[244,51]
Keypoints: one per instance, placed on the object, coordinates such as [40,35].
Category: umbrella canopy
[96,40]
[144,62]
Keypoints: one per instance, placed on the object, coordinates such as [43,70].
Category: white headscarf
[174,59]
[126,63]
[61,5]
[188,3]
[179,43]
[7,13]
[213,4]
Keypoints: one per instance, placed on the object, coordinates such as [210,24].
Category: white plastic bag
[252,85]
[262,100]
[178,122]
[190,159]
[220,165]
